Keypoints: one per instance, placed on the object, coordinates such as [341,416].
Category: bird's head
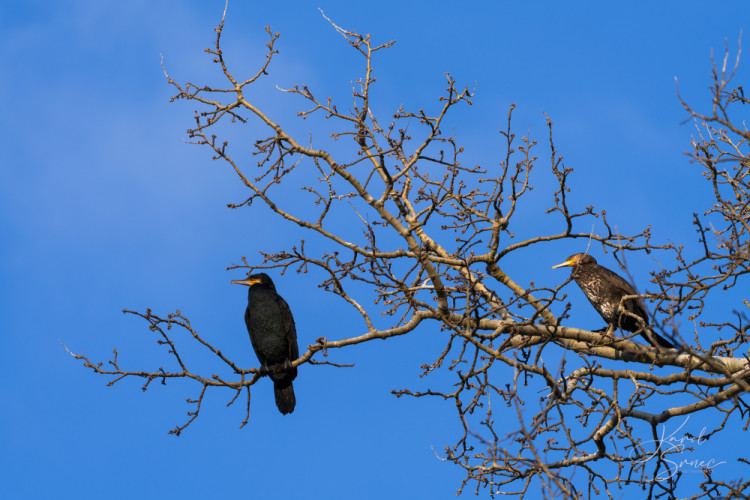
[576,259]
[261,279]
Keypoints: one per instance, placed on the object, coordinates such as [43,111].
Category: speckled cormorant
[270,324]
[605,289]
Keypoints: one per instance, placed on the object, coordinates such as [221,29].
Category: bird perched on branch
[270,324]
[605,290]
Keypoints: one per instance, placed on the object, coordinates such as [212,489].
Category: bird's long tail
[284,393]
[656,340]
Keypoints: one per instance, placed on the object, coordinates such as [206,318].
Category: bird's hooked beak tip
[563,264]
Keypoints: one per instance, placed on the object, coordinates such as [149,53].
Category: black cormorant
[605,290]
[270,324]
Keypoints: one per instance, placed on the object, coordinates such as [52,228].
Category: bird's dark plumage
[605,290]
[272,332]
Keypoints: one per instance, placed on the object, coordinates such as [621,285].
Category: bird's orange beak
[567,263]
[246,282]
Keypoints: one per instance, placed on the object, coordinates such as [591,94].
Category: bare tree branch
[427,248]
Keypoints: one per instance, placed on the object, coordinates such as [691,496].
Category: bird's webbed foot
[283,367]
[607,334]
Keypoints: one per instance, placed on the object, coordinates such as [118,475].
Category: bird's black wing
[619,284]
[287,321]
[253,341]
[635,306]
[617,281]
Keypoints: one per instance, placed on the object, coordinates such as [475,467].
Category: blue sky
[103,207]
